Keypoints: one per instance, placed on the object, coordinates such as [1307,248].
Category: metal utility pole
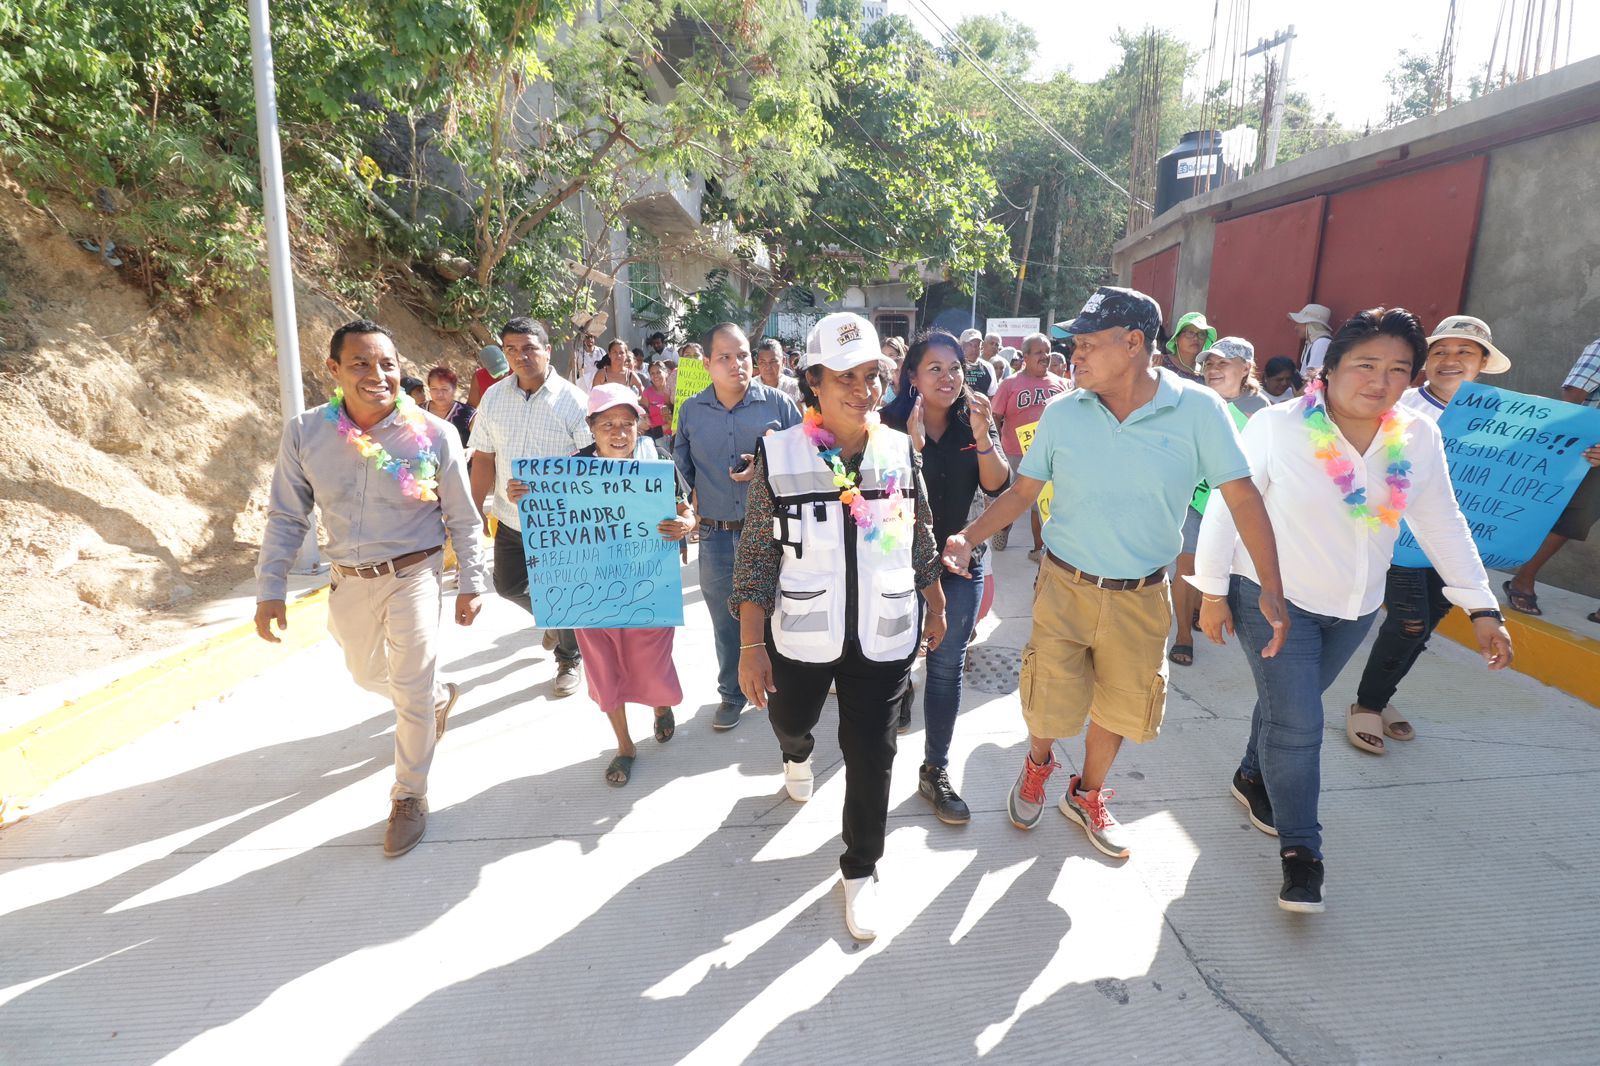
[1027,245]
[1280,95]
[276,223]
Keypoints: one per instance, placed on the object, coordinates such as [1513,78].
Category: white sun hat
[1465,327]
[1316,314]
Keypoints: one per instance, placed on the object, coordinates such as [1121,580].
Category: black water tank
[1191,168]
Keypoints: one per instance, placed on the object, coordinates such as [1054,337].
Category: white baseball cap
[842,340]
[971,335]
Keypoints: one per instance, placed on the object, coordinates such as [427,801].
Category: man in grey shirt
[386,513]
[717,434]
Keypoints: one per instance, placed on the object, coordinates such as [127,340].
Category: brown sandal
[1365,730]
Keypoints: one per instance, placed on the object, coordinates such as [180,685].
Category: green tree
[1416,88]
[908,188]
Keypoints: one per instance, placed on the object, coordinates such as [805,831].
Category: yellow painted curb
[1558,657]
[37,753]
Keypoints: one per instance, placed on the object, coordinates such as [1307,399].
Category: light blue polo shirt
[1122,488]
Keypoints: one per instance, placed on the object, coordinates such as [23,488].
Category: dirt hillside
[133,483]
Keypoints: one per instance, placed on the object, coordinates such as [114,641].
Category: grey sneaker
[441,714]
[1025,805]
[408,817]
[1088,809]
[727,715]
[567,677]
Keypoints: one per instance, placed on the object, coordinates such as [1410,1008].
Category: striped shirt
[1585,375]
[513,424]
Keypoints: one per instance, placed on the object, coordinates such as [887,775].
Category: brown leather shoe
[442,714]
[408,817]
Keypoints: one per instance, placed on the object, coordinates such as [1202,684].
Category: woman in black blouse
[952,428]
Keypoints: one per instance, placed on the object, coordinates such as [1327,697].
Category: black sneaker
[1302,883]
[934,784]
[1253,794]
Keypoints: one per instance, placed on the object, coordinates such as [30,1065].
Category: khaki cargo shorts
[1095,654]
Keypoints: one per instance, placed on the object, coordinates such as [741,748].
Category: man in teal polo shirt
[1123,452]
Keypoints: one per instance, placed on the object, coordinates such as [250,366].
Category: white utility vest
[821,562]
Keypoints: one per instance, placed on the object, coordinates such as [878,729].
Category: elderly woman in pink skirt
[624,666]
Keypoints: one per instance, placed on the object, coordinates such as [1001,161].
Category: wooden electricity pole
[1027,245]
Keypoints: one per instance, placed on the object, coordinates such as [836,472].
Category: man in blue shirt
[1123,454]
[715,444]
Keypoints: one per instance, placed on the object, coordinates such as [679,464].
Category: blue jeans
[716,585]
[941,698]
[1285,748]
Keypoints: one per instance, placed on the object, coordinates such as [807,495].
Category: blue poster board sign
[1515,461]
[595,560]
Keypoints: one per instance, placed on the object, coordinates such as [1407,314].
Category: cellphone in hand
[741,466]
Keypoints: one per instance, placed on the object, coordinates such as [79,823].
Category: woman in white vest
[837,541]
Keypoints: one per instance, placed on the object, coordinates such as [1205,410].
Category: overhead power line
[967,52]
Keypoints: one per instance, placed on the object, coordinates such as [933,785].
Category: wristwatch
[1486,613]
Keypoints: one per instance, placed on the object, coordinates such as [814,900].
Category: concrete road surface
[216,893]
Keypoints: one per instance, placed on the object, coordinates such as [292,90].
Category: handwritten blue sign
[1514,461]
[595,560]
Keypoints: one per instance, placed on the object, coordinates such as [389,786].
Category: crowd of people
[846,497]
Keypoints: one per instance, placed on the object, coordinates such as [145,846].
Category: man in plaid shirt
[531,414]
[1581,386]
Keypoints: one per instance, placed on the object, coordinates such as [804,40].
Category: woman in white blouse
[1337,470]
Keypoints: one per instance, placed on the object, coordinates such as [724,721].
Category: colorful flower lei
[892,520]
[1325,440]
[418,485]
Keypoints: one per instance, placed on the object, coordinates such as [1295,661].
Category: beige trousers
[388,627]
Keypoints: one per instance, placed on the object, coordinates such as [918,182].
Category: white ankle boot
[861,907]
[797,778]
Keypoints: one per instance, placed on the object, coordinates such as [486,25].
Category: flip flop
[1525,602]
[1365,730]
[1182,654]
[1395,725]
[622,764]
[666,724]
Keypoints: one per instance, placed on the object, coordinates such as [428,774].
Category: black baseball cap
[1113,308]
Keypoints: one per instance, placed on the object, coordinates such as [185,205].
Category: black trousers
[1415,603]
[511,583]
[869,707]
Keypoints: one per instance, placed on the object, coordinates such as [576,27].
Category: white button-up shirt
[514,424]
[1334,564]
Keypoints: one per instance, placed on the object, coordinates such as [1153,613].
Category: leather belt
[717,523]
[388,566]
[1110,584]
